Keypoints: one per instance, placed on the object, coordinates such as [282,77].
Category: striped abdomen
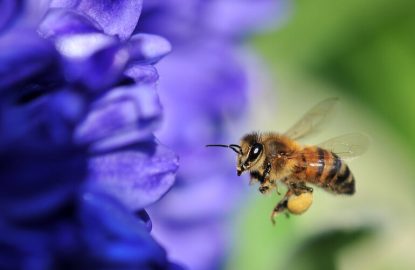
[325,169]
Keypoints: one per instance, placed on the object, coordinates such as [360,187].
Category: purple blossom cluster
[78,111]
[81,126]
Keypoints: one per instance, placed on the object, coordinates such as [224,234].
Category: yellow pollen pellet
[299,204]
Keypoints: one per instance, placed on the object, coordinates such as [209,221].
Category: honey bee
[273,158]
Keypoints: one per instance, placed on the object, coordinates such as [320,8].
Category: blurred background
[364,53]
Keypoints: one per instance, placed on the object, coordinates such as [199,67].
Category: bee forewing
[348,146]
[313,120]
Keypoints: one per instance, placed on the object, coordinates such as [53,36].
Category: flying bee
[272,158]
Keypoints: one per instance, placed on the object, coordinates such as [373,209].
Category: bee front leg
[265,185]
[264,188]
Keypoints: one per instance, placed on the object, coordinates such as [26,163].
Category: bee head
[252,153]
[249,152]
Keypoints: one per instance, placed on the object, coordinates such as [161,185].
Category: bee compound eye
[255,151]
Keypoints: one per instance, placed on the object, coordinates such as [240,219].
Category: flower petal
[32,112]
[74,34]
[10,11]
[102,70]
[21,60]
[148,49]
[61,21]
[114,237]
[138,176]
[125,115]
[94,232]
[91,58]
[115,17]
[22,14]
[32,181]
[147,74]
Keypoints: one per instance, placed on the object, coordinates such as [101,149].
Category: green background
[364,53]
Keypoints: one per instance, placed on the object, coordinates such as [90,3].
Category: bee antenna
[217,145]
[234,147]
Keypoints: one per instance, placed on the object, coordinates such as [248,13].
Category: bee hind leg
[281,206]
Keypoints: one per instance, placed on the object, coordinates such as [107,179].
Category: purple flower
[9,10]
[117,69]
[37,116]
[203,87]
[77,123]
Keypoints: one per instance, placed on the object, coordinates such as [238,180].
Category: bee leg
[264,188]
[299,188]
[255,177]
[265,185]
[281,206]
[267,169]
[277,189]
[295,188]
[302,186]
[273,184]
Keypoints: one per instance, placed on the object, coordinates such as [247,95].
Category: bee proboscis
[273,158]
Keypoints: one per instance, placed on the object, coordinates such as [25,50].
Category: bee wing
[312,120]
[348,146]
